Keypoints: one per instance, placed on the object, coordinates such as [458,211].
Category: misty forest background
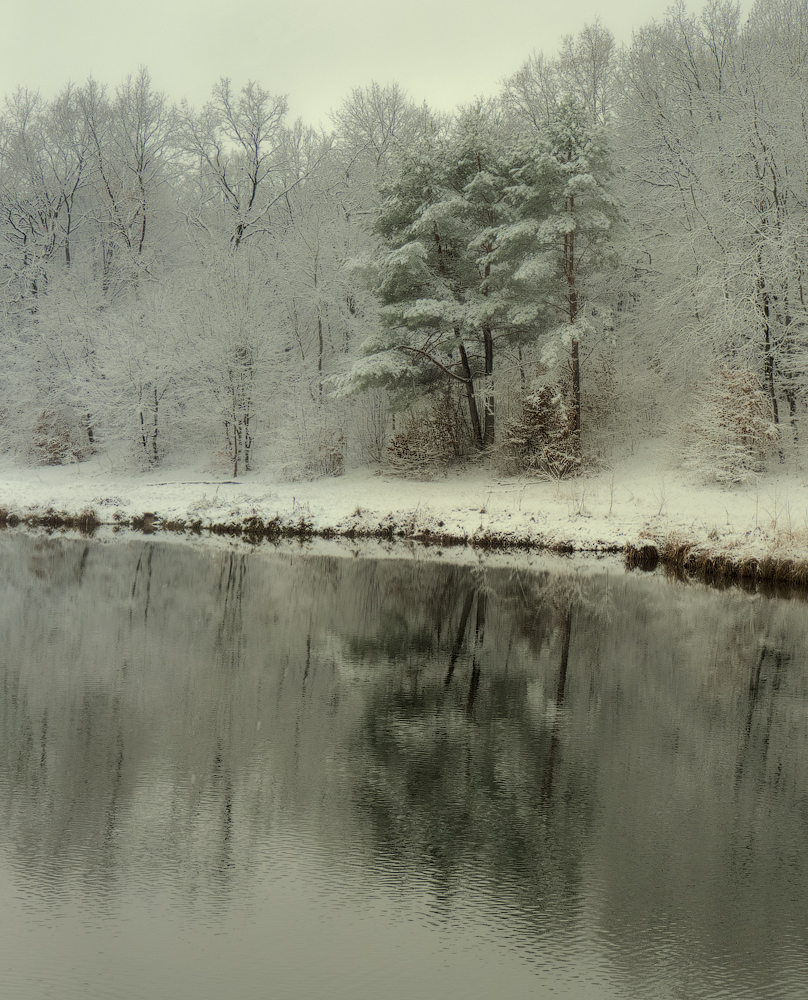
[612,247]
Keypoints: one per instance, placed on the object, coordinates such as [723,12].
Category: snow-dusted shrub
[731,430]
[308,439]
[326,456]
[59,440]
[433,436]
[322,454]
[372,418]
[542,439]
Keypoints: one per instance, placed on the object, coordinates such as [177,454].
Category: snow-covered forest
[611,247]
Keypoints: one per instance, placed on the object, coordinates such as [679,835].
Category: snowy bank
[638,508]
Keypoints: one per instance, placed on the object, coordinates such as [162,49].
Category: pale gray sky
[443,51]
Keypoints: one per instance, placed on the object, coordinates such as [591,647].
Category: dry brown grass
[86,522]
[718,568]
[645,557]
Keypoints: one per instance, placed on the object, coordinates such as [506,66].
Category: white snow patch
[636,501]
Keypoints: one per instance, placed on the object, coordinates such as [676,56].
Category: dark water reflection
[283,774]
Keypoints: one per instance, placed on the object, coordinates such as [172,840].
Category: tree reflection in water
[454,766]
[618,761]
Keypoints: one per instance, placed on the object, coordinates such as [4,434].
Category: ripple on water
[314,777]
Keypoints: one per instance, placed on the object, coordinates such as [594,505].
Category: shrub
[310,441]
[327,455]
[57,440]
[372,419]
[732,429]
[542,439]
[433,437]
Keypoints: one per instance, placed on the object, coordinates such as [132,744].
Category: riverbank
[647,512]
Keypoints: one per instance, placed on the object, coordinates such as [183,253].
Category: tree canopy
[603,238]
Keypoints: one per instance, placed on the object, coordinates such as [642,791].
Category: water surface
[276,773]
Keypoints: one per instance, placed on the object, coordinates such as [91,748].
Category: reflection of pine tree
[455,769]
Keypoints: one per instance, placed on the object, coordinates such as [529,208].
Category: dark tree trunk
[474,412]
[565,655]
[768,355]
[791,396]
[155,451]
[575,364]
[488,432]
[479,635]
[461,634]
[570,265]
[320,357]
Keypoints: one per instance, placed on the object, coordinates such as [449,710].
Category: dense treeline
[612,245]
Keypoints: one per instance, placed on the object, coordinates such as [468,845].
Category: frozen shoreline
[637,507]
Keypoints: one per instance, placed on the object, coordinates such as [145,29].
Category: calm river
[246,774]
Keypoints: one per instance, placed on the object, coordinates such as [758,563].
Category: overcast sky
[443,51]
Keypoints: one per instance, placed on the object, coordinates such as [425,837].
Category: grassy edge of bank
[679,557]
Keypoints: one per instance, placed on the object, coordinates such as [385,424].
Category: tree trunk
[576,394]
[572,303]
[474,413]
[791,396]
[143,437]
[154,434]
[236,446]
[488,398]
[768,355]
[320,357]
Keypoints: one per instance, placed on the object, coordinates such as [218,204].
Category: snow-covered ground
[638,501]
